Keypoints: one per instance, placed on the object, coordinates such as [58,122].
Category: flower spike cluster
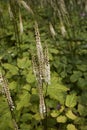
[6,91]
[41,68]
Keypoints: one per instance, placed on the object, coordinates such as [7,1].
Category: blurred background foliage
[63,27]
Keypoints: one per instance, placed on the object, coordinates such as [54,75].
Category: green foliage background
[66,97]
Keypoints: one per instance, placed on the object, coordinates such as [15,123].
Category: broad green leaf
[82,110]
[71,127]
[82,99]
[59,96]
[13,85]
[25,126]
[63,74]
[82,83]
[55,113]
[8,125]
[75,76]
[53,50]
[70,115]
[12,68]
[61,119]
[27,87]
[71,100]
[37,116]
[34,90]
[82,67]
[30,77]
[26,117]
[24,100]
[34,107]
[23,63]
[57,90]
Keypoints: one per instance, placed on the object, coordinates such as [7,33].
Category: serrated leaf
[27,87]
[83,98]
[23,62]
[25,126]
[71,127]
[82,110]
[55,113]
[37,116]
[53,50]
[13,85]
[82,67]
[26,117]
[71,100]
[82,83]
[61,119]
[12,68]
[30,77]
[75,76]
[70,115]
[57,90]
[24,100]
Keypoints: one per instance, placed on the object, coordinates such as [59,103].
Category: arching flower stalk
[6,92]
[40,54]
[41,69]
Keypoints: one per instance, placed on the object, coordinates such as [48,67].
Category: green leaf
[70,115]
[82,83]
[61,119]
[82,99]
[27,87]
[26,117]
[12,69]
[71,100]
[13,85]
[53,50]
[82,110]
[30,77]
[75,76]
[23,63]
[71,127]
[24,100]
[54,93]
[82,67]
[37,116]
[55,113]
[25,126]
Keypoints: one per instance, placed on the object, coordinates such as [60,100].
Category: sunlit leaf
[12,68]
[23,63]
[55,113]
[71,127]
[71,115]
[61,119]
[24,101]
[71,100]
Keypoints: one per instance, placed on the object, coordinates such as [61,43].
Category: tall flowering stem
[6,92]
[41,69]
